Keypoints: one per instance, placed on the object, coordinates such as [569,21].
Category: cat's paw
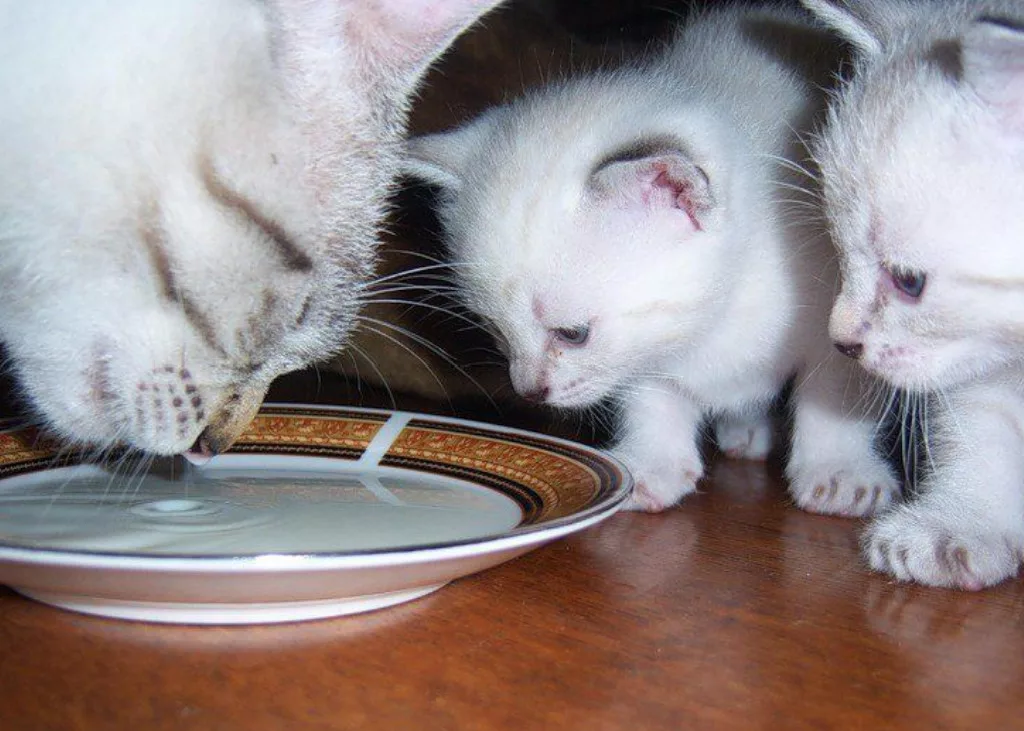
[847,489]
[744,438]
[914,544]
[658,488]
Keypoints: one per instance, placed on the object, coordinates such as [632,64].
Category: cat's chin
[575,400]
[929,374]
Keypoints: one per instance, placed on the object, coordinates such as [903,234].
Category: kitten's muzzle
[538,395]
[201,451]
[225,426]
[850,350]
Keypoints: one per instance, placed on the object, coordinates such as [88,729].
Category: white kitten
[190,194]
[923,170]
[631,233]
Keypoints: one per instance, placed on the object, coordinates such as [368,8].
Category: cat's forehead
[884,138]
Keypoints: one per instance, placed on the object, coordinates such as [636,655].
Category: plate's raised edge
[540,440]
[604,465]
[333,451]
[355,412]
[602,507]
[384,439]
[527,499]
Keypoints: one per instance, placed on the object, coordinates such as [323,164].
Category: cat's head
[210,218]
[592,241]
[923,173]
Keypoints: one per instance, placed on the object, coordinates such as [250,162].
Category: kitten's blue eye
[572,335]
[908,281]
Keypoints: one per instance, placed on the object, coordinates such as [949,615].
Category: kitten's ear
[993,64]
[442,159]
[393,40]
[855,22]
[435,159]
[664,180]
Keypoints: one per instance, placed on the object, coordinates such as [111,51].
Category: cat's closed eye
[908,282]
[576,335]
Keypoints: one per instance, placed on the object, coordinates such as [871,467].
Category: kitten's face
[924,180]
[207,221]
[593,269]
[174,323]
[605,304]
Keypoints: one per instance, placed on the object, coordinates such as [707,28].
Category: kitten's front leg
[966,530]
[658,444]
[745,436]
[833,466]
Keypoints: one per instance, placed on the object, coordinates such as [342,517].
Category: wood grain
[734,611]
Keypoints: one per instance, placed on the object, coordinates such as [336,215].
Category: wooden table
[735,611]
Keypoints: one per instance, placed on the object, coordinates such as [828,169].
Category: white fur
[923,170]
[112,111]
[695,311]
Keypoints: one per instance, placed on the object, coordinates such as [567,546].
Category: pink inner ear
[411,32]
[665,190]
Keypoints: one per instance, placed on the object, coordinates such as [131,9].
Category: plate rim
[520,536]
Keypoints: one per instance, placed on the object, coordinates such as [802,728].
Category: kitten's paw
[849,490]
[656,489]
[915,545]
[740,438]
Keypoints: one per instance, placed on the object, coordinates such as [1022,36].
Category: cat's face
[207,222]
[923,176]
[593,269]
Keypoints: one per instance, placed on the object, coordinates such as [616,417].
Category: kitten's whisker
[399,276]
[432,347]
[433,308]
[926,435]
[433,288]
[380,375]
[415,253]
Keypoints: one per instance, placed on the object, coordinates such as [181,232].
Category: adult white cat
[923,170]
[632,233]
[190,194]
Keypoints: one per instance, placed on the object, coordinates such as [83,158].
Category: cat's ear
[861,23]
[435,159]
[666,180]
[441,159]
[993,65]
[392,40]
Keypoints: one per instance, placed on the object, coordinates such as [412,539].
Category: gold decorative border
[21,446]
[318,432]
[547,479]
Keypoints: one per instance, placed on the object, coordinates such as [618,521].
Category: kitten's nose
[202,451]
[537,396]
[850,350]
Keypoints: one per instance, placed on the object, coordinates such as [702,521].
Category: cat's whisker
[436,289]
[380,375]
[432,347]
[926,436]
[407,273]
[810,196]
[793,165]
[319,380]
[432,308]
[386,251]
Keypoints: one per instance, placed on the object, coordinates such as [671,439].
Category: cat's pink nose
[850,350]
[538,395]
[201,451]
